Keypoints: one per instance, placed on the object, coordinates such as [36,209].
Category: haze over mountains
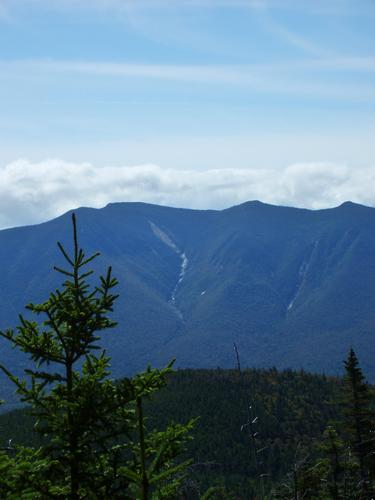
[292,287]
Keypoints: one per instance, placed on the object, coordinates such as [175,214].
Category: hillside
[292,287]
[293,408]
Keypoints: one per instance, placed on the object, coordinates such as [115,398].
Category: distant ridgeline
[293,288]
[291,410]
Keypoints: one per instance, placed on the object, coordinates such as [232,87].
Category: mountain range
[291,287]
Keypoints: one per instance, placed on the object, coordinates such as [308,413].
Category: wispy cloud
[320,5]
[278,78]
[293,38]
[33,192]
[124,5]
[121,4]
[204,72]
[333,7]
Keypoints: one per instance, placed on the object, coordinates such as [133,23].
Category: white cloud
[34,192]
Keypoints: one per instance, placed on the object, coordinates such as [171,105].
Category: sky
[190,103]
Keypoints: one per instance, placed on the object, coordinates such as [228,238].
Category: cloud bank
[35,192]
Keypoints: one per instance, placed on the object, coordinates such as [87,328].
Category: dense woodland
[293,412]
[194,434]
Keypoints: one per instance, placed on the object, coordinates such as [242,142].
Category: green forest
[295,411]
[190,434]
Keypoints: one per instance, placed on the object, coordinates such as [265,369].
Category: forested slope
[291,410]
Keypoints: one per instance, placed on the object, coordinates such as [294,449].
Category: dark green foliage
[93,439]
[345,467]
[293,409]
[303,455]
[334,449]
[359,419]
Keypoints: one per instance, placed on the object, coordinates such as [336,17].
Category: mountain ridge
[248,203]
[292,287]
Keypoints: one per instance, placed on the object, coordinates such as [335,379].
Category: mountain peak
[350,205]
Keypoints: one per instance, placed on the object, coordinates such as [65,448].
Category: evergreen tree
[333,448]
[359,420]
[6,466]
[95,443]
[330,468]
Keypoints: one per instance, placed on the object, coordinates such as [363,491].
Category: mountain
[292,287]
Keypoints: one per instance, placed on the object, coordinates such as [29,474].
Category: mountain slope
[291,287]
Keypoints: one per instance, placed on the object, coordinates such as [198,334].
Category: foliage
[359,416]
[300,425]
[94,442]
[292,407]
[345,468]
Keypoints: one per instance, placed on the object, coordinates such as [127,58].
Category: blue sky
[189,86]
